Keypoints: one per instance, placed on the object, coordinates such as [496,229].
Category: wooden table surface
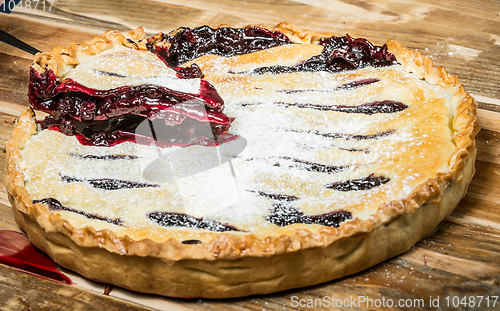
[462,259]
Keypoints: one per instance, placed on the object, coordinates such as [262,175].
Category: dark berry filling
[191,242]
[191,72]
[346,86]
[103,157]
[385,106]
[70,100]
[365,183]
[55,205]
[348,136]
[166,219]
[284,214]
[142,130]
[275,196]
[339,54]
[108,183]
[108,73]
[302,164]
[188,44]
[105,118]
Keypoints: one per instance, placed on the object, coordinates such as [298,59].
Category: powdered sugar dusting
[291,151]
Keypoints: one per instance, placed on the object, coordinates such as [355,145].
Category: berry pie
[236,161]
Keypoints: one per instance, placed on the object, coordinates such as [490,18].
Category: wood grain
[21,291]
[460,259]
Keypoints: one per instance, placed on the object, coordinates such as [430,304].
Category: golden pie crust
[153,259]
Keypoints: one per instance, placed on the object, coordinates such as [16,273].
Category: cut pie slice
[229,162]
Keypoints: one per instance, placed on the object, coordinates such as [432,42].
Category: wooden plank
[12,109]
[488,148]
[489,120]
[22,291]
[477,271]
